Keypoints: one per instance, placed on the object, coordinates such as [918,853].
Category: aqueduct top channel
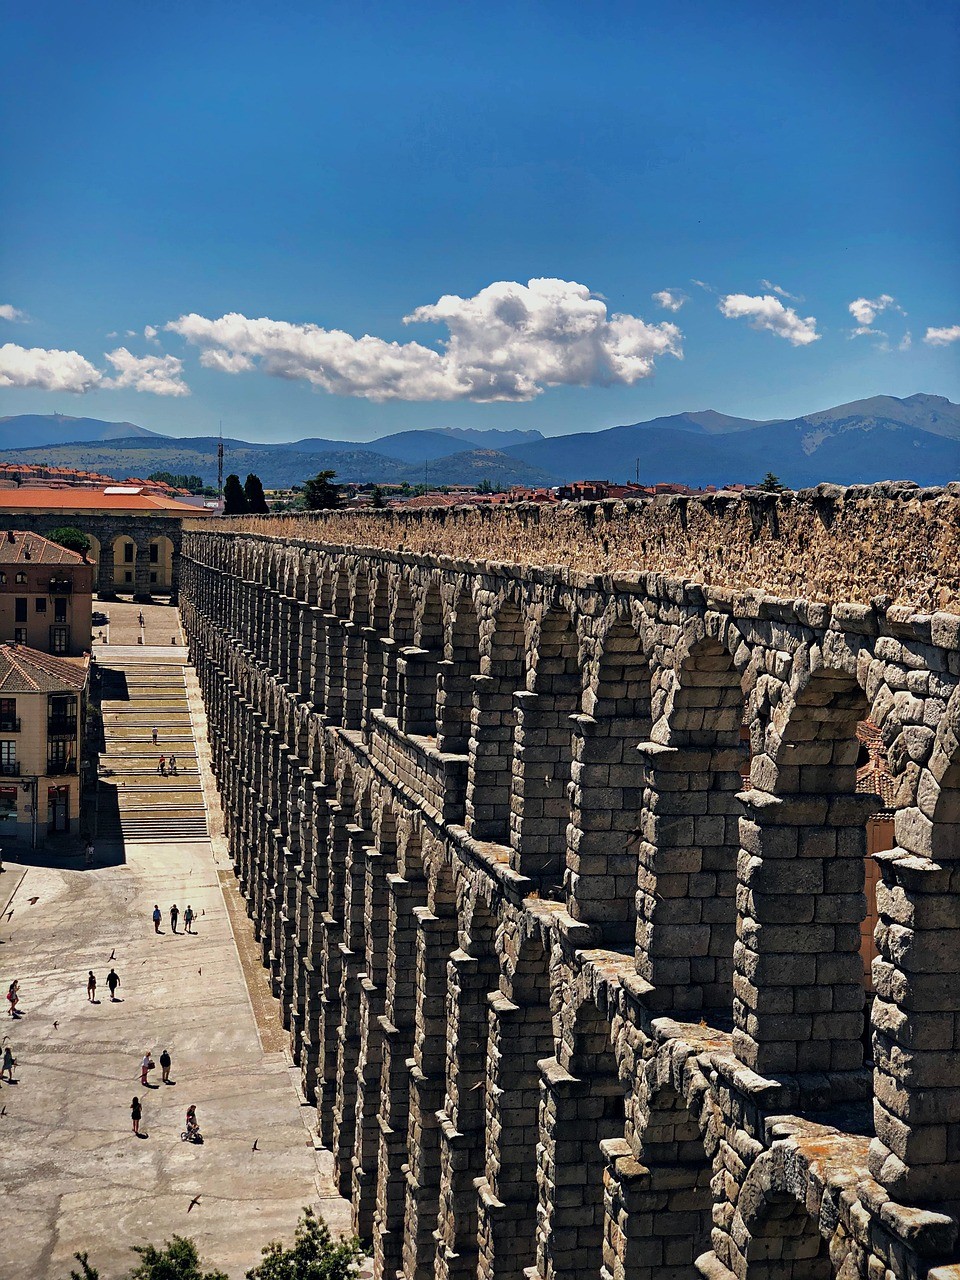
[548,823]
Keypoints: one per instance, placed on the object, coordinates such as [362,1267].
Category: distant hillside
[56,429]
[880,438]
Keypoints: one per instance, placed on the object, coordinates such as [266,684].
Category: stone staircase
[139,693]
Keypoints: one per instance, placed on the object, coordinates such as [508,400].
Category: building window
[60,757]
[8,759]
[60,610]
[8,716]
[20,635]
[153,577]
[128,576]
[20,609]
[62,714]
[154,553]
[3,579]
[41,604]
[21,577]
[128,553]
[8,806]
[59,639]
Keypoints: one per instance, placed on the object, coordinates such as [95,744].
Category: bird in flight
[195,1200]
[3,1111]
[113,954]
[34,900]
[56,1025]
[254,1147]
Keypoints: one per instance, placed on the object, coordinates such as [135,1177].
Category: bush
[177,1260]
[71,538]
[313,1256]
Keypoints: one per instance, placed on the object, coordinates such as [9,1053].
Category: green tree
[86,1272]
[313,1256]
[320,493]
[253,492]
[234,499]
[771,483]
[377,500]
[177,1260]
[71,538]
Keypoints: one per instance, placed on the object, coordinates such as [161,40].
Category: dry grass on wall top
[824,546]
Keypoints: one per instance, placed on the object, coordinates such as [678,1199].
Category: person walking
[162,766]
[136,1111]
[88,852]
[165,1064]
[92,987]
[146,1064]
[155,736]
[172,765]
[157,917]
[113,981]
[13,997]
[140,617]
[188,919]
[174,917]
[9,1062]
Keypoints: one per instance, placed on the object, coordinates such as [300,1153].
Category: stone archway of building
[688,840]
[540,814]
[490,769]
[163,570]
[608,788]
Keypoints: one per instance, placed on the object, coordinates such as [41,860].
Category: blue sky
[341,166]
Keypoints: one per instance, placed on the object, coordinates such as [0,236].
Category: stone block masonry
[548,828]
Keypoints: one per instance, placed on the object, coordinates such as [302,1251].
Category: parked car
[99,619]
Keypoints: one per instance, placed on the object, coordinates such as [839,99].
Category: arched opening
[455,695]
[521,1034]
[418,670]
[374,633]
[472,973]
[161,565]
[581,1108]
[490,769]
[607,791]
[800,1002]
[401,635]
[689,839]
[544,744]
[124,564]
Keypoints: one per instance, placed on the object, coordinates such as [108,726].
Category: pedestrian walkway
[143,689]
[72,1174]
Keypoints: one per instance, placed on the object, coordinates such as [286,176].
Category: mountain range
[879,438]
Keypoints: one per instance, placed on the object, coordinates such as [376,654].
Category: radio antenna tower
[220,464]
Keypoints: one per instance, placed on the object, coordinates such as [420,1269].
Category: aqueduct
[548,825]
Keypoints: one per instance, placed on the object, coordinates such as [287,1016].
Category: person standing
[146,1064]
[113,981]
[91,987]
[155,736]
[165,1064]
[172,765]
[157,917]
[162,766]
[88,852]
[13,997]
[140,617]
[188,919]
[174,917]
[9,1062]
[136,1111]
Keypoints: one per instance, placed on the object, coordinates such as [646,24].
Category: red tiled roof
[25,670]
[95,500]
[20,546]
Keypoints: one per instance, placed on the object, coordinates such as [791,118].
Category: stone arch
[608,782]
[461,664]
[800,994]
[125,551]
[582,1110]
[490,769]
[773,1237]
[521,1034]
[540,814]
[688,839]
[401,636]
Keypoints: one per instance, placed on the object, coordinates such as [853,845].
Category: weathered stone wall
[571,970]
[894,542]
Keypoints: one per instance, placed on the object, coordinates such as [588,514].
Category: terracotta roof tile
[20,546]
[25,670]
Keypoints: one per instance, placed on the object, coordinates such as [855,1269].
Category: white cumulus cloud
[46,369]
[8,312]
[942,337]
[670,299]
[767,312]
[507,342]
[866,310]
[158,375]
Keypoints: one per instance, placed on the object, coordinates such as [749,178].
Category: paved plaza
[73,1174]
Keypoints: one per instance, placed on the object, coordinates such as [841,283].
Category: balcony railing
[57,767]
[62,726]
[10,724]
[9,769]
[60,586]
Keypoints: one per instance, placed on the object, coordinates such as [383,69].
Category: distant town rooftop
[19,545]
[25,670]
